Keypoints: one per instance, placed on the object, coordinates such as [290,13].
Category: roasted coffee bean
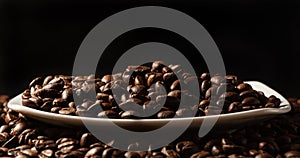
[18,128]
[216,150]
[67,94]
[217,79]
[169,77]
[59,102]
[249,93]
[205,86]
[204,103]
[211,93]
[157,66]
[185,112]
[106,78]
[250,101]
[27,135]
[292,154]
[55,109]
[87,139]
[129,114]
[264,155]
[132,154]
[30,152]
[94,151]
[201,154]
[166,114]
[108,113]
[47,80]
[139,80]
[187,148]
[235,107]
[67,111]
[275,100]
[213,142]
[30,103]
[175,94]
[47,106]
[205,76]
[4,128]
[244,87]
[265,146]
[270,105]
[175,85]
[230,96]
[36,81]
[232,79]
[112,153]
[139,89]
[225,87]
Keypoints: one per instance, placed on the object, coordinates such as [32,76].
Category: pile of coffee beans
[147,91]
[276,138]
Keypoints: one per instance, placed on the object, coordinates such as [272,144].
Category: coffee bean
[36,81]
[19,127]
[112,153]
[264,155]
[205,86]
[249,93]
[217,79]
[106,78]
[132,154]
[169,77]
[67,94]
[67,111]
[59,102]
[30,152]
[201,154]
[187,148]
[94,151]
[175,85]
[244,87]
[139,80]
[235,107]
[166,114]
[157,66]
[129,114]
[230,96]
[292,154]
[108,113]
[250,101]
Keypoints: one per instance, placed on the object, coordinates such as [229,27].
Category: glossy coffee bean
[244,87]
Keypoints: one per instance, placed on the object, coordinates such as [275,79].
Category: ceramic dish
[224,120]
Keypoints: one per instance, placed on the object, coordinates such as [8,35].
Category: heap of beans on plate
[157,89]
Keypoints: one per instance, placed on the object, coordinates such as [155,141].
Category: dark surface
[259,40]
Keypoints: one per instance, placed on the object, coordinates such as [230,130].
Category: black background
[259,40]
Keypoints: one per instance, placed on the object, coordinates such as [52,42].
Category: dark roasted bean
[108,113]
[244,87]
[187,148]
[201,154]
[132,154]
[166,114]
[250,101]
[87,139]
[112,153]
[292,154]
[175,85]
[67,111]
